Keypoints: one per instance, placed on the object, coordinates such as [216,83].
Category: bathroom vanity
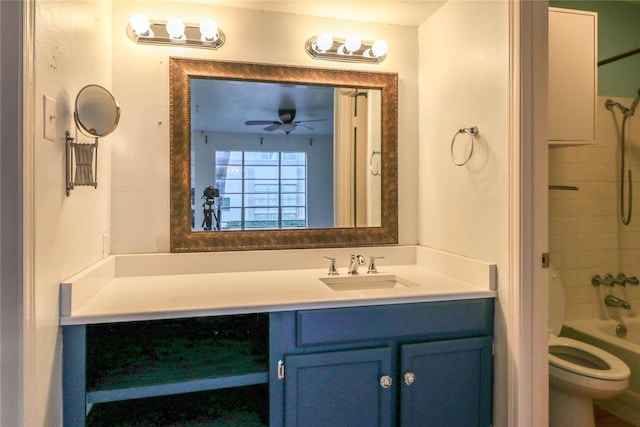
[290,352]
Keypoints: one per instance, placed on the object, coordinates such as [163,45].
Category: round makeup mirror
[97,112]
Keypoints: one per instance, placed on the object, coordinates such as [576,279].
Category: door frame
[527,371]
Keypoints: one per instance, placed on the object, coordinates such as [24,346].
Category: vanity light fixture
[175,32]
[351,49]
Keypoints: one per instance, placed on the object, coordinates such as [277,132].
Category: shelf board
[137,392]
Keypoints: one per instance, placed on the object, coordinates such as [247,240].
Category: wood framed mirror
[281,121]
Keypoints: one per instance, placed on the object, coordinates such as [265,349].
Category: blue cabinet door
[447,383]
[341,388]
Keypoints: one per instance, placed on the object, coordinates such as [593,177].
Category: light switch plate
[49,120]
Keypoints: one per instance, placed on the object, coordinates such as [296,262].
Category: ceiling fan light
[287,127]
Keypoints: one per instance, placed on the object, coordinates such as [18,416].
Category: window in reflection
[261,190]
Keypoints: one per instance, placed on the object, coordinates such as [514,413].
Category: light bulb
[209,30]
[379,48]
[287,127]
[140,24]
[175,28]
[324,42]
[352,43]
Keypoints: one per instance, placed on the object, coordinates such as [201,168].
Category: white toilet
[578,372]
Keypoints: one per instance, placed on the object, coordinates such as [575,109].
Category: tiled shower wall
[586,235]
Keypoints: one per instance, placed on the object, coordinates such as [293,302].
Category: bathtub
[602,334]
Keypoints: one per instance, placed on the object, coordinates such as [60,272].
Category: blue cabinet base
[423,364]
[408,364]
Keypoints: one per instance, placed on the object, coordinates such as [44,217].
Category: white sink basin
[366,282]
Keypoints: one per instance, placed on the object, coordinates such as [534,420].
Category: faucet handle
[621,280]
[372,264]
[596,280]
[333,271]
[608,280]
[632,280]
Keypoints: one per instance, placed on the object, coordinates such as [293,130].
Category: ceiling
[408,13]
[225,105]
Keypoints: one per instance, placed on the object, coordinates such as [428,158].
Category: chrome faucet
[612,301]
[372,264]
[356,261]
[623,280]
[610,281]
[333,271]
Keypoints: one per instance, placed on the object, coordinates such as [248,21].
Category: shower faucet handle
[632,280]
[609,280]
[621,280]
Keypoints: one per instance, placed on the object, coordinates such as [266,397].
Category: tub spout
[612,301]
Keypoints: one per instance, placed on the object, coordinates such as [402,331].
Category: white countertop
[116,290]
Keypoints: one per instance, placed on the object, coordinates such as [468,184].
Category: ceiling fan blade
[261,122]
[272,127]
[312,120]
[303,126]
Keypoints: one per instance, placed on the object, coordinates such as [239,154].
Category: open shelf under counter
[153,358]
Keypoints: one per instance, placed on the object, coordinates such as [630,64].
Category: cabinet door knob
[409,378]
[385,381]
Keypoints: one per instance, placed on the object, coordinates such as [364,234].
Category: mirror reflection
[259,161]
[273,156]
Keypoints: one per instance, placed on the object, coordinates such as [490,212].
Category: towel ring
[373,153]
[472,131]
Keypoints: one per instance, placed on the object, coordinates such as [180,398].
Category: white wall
[464,64]
[140,168]
[73,48]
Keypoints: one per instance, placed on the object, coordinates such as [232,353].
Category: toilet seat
[579,373]
[606,366]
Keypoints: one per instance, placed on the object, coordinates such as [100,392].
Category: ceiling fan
[285,124]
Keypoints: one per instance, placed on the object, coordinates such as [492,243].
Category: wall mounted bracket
[96,115]
[81,164]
